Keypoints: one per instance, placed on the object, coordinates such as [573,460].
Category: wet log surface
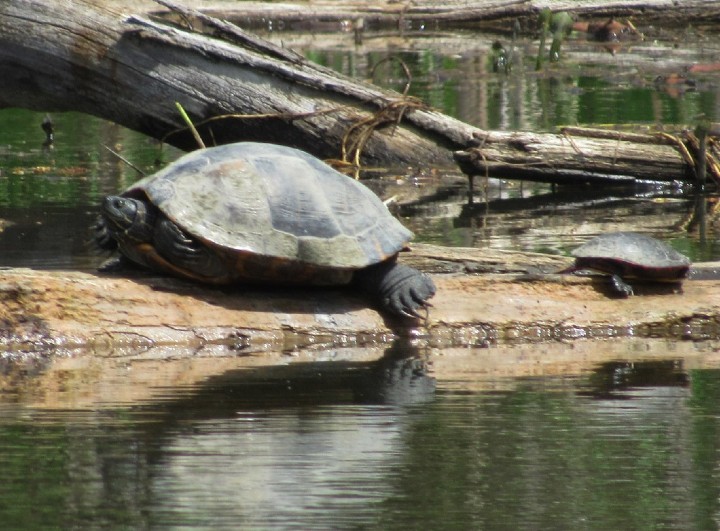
[61,311]
[109,61]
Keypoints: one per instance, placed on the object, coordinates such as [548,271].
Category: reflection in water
[349,445]
[312,446]
[535,458]
[59,240]
[324,467]
[619,379]
[555,222]
[278,444]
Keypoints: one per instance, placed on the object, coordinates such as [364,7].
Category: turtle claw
[113,265]
[176,241]
[403,305]
[412,312]
[400,290]
[407,292]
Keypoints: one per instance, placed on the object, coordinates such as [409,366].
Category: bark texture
[584,155]
[63,311]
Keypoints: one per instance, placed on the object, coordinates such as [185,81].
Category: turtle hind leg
[186,256]
[117,264]
[620,287]
[399,289]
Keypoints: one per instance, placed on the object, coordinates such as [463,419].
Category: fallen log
[585,155]
[478,14]
[55,312]
[103,60]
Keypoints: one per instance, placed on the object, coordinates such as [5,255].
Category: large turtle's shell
[266,200]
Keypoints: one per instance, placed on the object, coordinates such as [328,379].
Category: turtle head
[127,220]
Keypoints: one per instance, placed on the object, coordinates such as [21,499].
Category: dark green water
[631,445]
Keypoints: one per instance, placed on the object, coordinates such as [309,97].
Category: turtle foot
[620,287]
[411,294]
[401,290]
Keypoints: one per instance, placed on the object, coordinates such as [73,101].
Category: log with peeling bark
[106,60]
[110,61]
[585,155]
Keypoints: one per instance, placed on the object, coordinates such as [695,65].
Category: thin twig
[187,120]
[123,159]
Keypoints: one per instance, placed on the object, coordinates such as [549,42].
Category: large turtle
[627,256]
[252,212]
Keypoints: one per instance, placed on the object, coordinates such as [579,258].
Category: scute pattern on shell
[632,248]
[278,202]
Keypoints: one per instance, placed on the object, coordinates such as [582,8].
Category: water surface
[539,438]
[624,445]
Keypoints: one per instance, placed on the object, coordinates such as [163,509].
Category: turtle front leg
[399,289]
[185,255]
[620,287]
[102,237]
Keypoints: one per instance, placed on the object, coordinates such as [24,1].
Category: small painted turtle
[264,213]
[628,255]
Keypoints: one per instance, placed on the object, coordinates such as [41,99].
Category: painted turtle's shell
[633,255]
[264,200]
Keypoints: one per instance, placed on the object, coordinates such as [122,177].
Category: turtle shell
[632,255]
[274,203]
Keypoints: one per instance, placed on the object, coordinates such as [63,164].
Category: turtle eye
[116,203]
[113,203]
[120,211]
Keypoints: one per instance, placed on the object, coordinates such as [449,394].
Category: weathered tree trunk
[62,311]
[583,155]
[479,13]
[99,59]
